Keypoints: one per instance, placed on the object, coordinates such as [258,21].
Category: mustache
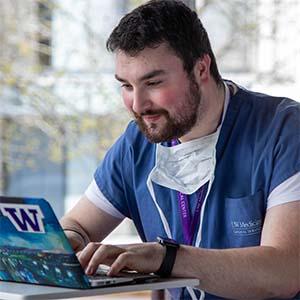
[150,113]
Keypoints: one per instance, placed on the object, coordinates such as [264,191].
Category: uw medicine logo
[25,218]
[246,227]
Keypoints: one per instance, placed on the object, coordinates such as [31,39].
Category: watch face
[167,242]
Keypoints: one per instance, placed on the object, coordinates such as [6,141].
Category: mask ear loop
[199,233]
[192,293]
[198,240]
[161,214]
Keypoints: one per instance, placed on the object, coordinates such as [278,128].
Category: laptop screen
[33,247]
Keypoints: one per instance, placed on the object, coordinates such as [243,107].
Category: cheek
[127,101]
[170,99]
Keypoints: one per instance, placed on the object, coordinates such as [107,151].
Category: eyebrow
[144,77]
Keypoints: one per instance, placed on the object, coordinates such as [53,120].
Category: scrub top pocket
[244,218]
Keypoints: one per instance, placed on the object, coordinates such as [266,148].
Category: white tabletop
[22,291]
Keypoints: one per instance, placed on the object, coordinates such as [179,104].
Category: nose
[140,101]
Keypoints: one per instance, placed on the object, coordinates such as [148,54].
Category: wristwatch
[169,259]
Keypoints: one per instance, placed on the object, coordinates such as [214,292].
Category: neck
[210,112]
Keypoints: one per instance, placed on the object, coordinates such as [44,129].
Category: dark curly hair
[160,21]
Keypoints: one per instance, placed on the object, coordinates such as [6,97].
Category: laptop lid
[34,249]
[33,246]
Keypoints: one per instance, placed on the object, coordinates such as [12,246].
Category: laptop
[34,249]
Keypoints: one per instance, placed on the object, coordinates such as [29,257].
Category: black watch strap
[166,267]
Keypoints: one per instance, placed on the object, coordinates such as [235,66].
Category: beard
[175,126]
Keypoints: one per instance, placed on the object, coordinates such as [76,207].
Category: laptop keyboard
[101,274]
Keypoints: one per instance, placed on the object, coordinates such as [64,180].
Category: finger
[144,258]
[78,254]
[105,254]
[123,261]
[87,253]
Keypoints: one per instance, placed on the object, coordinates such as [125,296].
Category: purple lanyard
[189,224]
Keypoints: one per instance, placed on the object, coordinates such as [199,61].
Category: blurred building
[255,42]
[54,64]
[25,168]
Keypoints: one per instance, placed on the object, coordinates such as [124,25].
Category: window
[44,13]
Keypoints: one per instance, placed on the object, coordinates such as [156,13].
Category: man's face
[156,89]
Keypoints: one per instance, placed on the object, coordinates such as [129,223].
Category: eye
[126,86]
[153,83]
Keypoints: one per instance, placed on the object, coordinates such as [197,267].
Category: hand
[144,257]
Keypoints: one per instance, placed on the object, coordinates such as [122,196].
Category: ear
[202,69]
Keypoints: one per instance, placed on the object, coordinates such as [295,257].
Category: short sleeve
[94,195]
[287,191]
[286,155]
[112,175]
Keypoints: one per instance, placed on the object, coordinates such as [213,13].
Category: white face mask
[187,166]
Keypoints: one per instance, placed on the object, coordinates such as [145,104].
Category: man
[206,163]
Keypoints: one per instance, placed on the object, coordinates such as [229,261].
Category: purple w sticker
[25,218]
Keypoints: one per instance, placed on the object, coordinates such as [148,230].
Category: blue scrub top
[258,148]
